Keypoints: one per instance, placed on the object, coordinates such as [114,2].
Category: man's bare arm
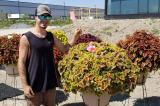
[23,52]
[64,48]
[60,46]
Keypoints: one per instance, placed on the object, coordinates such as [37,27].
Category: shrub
[63,38]
[85,38]
[60,34]
[9,49]
[143,49]
[106,68]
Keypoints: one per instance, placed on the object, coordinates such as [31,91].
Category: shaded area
[2,67]
[61,96]
[150,101]
[119,97]
[8,92]
[75,104]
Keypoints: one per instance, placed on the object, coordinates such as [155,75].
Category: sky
[80,3]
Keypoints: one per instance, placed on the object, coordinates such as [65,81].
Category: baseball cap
[43,9]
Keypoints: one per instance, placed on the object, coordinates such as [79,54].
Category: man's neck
[40,32]
[39,29]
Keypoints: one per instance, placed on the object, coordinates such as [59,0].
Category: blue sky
[81,3]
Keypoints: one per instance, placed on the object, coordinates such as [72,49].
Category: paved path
[19,30]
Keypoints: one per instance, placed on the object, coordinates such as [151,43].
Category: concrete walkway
[19,30]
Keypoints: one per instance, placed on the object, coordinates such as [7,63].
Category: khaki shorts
[45,98]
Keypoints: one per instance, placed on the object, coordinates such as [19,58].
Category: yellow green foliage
[107,69]
[60,34]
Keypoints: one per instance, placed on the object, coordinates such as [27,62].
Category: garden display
[97,68]
[143,49]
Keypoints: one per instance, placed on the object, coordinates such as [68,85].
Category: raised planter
[11,69]
[91,99]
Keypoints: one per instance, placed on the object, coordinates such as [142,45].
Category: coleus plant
[9,49]
[3,50]
[85,38]
[9,46]
[60,34]
[97,67]
[58,55]
[143,49]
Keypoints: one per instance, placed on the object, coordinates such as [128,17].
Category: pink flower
[91,48]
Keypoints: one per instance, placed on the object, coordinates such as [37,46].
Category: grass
[108,30]
[60,22]
[156,31]
[8,22]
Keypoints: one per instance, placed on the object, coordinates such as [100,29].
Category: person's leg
[35,101]
[49,97]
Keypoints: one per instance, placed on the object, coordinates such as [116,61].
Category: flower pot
[142,78]
[91,99]
[11,69]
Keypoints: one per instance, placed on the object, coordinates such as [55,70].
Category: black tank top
[41,75]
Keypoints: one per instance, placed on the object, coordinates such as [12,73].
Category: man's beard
[43,26]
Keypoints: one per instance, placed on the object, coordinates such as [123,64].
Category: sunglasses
[44,17]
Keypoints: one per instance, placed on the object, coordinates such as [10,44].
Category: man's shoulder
[25,37]
[27,33]
[50,34]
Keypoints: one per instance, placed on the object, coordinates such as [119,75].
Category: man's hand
[77,35]
[28,91]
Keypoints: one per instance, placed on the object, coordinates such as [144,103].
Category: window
[129,6]
[153,6]
[113,7]
[122,7]
[143,6]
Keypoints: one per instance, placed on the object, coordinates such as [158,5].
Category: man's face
[43,20]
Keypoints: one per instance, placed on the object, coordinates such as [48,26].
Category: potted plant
[9,53]
[143,49]
[60,34]
[97,69]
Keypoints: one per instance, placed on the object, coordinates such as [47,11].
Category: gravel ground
[151,96]
[19,26]
[20,30]
[110,31]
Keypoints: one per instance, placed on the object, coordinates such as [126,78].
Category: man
[36,63]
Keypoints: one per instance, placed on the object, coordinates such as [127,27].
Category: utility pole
[96,10]
[64,9]
[106,8]
[18,9]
